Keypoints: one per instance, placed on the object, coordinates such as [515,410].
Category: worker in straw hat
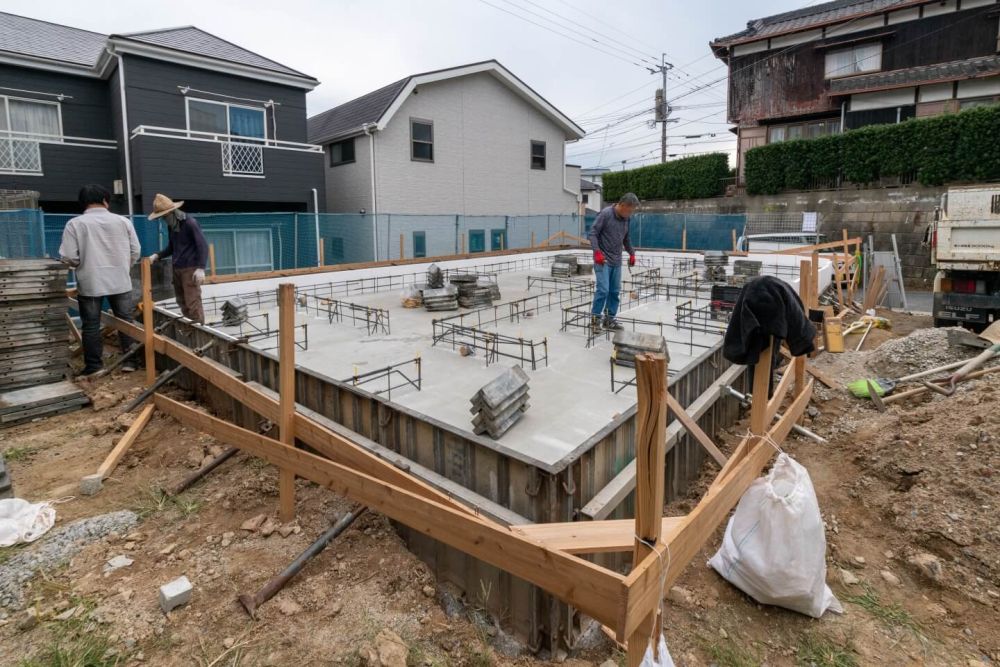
[187,247]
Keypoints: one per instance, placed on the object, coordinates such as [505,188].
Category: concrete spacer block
[175,594]
[91,484]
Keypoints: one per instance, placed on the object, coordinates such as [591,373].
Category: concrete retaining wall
[904,212]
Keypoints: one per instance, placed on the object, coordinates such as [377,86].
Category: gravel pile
[922,349]
[54,550]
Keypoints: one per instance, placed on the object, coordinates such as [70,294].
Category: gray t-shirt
[609,235]
[101,246]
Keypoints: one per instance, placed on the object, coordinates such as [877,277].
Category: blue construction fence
[249,242]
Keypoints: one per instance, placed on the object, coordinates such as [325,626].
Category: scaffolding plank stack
[500,403]
[445,298]
[628,344]
[34,330]
[26,404]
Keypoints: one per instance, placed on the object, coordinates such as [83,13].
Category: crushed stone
[921,350]
[54,550]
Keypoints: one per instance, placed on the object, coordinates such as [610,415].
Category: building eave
[34,62]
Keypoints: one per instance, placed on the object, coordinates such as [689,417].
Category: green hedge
[694,177]
[954,147]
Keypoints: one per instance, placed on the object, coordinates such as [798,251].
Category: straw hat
[162,204]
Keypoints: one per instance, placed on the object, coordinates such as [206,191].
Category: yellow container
[833,332]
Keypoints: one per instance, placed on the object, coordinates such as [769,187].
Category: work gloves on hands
[199,277]
[598,257]
[154,258]
[631,260]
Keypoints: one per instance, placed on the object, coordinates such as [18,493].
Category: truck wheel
[6,486]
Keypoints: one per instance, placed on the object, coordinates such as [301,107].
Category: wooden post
[848,261]
[650,450]
[734,239]
[211,259]
[684,238]
[286,386]
[320,249]
[761,387]
[402,254]
[799,363]
[814,282]
[147,320]
[462,246]
[532,239]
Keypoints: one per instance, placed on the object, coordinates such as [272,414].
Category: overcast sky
[355,46]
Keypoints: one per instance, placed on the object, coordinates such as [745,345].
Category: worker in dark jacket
[188,249]
[607,238]
[767,310]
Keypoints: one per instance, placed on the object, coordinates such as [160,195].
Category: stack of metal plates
[34,329]
[628,344]
[471,295]
[744,270]
[584,267]
[234,312]
[21,405]
[491,283]
[445,298]
[715,266]
[570,259]
[563,269]
[501,403]
[435,277]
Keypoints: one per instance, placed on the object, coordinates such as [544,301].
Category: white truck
[965,248]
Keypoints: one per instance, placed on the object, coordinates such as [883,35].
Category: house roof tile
[50,41]
[951,71]
[351,116]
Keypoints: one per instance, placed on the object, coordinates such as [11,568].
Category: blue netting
[705,231]
[21,234]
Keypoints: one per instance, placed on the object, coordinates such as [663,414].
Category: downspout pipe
[369,129]
[126,139]
[316,221]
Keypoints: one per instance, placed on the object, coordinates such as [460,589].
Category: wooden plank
[211,259]
[805,276]
[779,395]
[688,537]
[802,250]
[650,439]
[286,403]
[614,492]
[147,321]
[815,372]
[589,537]
[848,261]
[73,330]
[591,589]
[692,427]
[111,462]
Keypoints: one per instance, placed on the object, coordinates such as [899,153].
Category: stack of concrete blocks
[584,267]
[744,270]
[715,266]
[234,312]
[470,293]
[445,298]
[629,343]
[486,281]
[501,403]
[564,266]
[435,277]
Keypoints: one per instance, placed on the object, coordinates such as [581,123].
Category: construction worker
[607,237]
[102,247]
[188,249]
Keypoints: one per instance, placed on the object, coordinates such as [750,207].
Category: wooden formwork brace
[543,555]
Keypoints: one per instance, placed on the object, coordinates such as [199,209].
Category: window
[854,60]
[477,240]
[498,239]
[241,251]
[419,244]
[981,102]
[23,124]
[342,152]
[538,155]
[586,199]
[421,140]
[228,119]
[809,130]
[794,132]
[776,134]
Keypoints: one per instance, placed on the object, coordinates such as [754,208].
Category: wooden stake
[532,239]
[286,383]
[761,385]
[147,320]
[126,441]
[814,282]
[734,239]
[650,438]
[402,254]
[461,250]
[322,260]
[799,363]
[684,238]
[211,259]
[73,330]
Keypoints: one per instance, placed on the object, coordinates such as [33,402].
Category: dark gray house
[177,110]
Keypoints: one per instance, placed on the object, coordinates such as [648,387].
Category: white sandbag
[21,521]
[663,660]
[774,549]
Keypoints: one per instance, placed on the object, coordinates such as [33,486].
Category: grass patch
[18,454]
[73,643]
[891,614]
[728,653]
[154,500]
[819,651]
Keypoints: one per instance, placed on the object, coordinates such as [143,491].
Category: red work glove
[598,257]
[631,260]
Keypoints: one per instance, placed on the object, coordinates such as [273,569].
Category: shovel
[962,372]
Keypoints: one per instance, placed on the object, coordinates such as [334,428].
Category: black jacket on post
[767,307]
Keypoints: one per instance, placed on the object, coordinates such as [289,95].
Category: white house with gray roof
[471,140]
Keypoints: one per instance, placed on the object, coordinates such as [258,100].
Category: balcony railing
[21,153]
[241,156]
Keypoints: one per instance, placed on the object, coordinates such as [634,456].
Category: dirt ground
[909,498]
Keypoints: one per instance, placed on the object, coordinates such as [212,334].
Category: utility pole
[661,112]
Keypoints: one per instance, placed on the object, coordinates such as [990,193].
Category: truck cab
[965,249]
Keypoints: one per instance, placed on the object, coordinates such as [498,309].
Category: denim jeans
[608,289]
[90,331]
